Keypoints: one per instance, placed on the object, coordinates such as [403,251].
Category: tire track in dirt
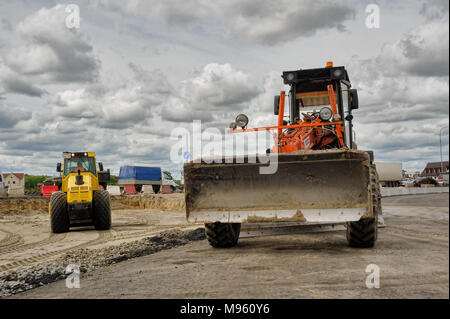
[103,236]
[10,240]
[133,227]
[49,240]
[413,233]
[412,238]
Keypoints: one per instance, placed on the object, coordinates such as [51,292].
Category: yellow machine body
[80,193]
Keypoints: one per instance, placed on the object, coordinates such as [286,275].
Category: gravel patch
[89,259]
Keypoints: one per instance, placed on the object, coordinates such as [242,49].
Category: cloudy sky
[136,70]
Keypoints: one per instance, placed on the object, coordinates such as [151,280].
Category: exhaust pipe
[79,179]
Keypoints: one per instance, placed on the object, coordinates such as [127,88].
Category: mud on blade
[308,186]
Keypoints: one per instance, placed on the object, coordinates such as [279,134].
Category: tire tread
[59,217]
[102,210]
[222,235]
[364,232]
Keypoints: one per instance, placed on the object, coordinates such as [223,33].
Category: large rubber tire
[222,235]
[156,188]
[59,217]
[102,210]
[364,233]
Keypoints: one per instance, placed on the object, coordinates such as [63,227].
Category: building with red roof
[15,180]
[433,169]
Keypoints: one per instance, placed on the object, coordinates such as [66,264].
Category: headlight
[233,125]
[336,117]
[337,73]
[290,76]
[325,114]
[241,120]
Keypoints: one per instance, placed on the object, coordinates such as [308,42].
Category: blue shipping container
[140,173]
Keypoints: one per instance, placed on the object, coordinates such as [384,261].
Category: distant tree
[169,174]
[113,180]
[32,181]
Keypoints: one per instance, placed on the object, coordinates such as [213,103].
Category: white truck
[145,175]
[389,174]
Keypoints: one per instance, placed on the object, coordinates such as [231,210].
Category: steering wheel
[79,168]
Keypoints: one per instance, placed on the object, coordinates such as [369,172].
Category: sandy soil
[412,253]
[26,241]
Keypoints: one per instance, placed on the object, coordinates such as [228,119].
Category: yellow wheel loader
[82,201]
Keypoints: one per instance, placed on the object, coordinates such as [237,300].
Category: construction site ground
[151,252]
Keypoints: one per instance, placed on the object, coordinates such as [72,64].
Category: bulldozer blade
[287,228]
[308,186]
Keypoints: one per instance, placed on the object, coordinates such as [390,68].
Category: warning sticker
[306,142]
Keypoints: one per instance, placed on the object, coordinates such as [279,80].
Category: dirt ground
[412,254]
[25,235]
[27,243]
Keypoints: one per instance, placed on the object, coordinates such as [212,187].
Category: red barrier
[165,189]
[129,190]
[46,191]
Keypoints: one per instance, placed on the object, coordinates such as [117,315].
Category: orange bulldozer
[320,176]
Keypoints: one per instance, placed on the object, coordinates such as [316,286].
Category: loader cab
[308,91]
[79,169]
[79,163]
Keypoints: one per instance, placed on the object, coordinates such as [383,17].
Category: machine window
[84,164]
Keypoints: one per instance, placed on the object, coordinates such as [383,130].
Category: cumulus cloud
[423,51]
[20,86]
[177,109]
[135,118]
[377,85]
[127,108]
[11,82]
[219,85]
[115,106]
[400,114]
[435,9]
[270,22]
[10,115]
[210,96]
[51,51]
[5,24]
[265,22]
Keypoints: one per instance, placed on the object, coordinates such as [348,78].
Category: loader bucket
[308,186]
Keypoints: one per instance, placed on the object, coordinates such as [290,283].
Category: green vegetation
[113,180]
[169,174]
[177,181]
[32,181]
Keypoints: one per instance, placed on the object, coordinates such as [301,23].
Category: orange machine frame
[301,138]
